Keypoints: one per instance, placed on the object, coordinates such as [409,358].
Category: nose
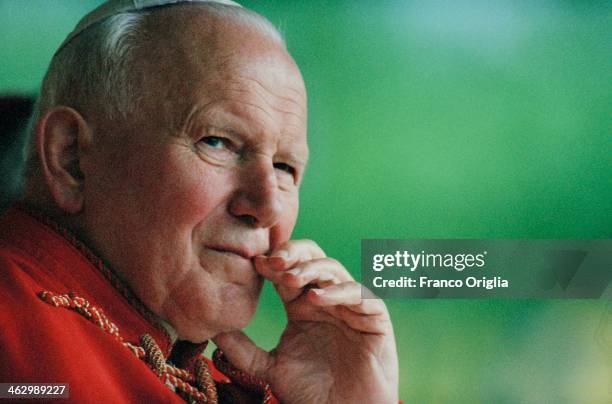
[257,199]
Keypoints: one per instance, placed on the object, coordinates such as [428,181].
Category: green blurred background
[438,119]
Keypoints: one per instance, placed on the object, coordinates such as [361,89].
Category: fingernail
[282,254]
[318,292]
[294,271]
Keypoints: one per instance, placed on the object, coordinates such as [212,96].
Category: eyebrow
[301,158]
[226,129]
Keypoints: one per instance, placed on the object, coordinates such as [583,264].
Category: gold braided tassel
[205,381]
[195,388]
[154,356]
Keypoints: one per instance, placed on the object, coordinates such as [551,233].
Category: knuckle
[312,247]
[332,262]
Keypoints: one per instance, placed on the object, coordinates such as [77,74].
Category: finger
[286,256]
[242,352]
[294,251]
[344,301]
[372,324]
[275,263]
[347,294]
[370,304]
[341,316]
[286,293]
[322,272]
[269,270]
[272,269]
[302,310]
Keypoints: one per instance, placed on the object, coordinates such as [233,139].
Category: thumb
[242,352]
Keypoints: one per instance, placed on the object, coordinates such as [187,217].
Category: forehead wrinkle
[297,115]
[238,86]
[275,64]
[293,125]
[249,119]
[264,96]
[267,90]
[224,86]
[210,108]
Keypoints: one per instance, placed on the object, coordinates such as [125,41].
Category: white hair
[94,70]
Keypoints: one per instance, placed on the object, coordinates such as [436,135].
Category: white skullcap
[113,7]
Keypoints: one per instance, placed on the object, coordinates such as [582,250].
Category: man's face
[180,208]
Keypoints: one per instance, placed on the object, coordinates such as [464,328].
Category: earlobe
[63,136]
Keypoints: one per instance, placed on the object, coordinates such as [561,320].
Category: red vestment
[42,343]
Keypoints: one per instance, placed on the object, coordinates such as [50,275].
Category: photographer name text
[383,264]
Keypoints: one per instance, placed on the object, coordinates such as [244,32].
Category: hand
[336,348]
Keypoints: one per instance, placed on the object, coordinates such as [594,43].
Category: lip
[239,251]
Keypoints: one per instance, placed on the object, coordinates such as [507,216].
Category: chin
[232,315]
[238,306]
[238,317]
[198,334]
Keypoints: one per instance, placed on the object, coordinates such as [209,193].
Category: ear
[62,138]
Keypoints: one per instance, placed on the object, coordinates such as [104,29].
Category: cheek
[186,189]
[282,231]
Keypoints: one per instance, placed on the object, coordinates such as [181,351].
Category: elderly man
[162,188]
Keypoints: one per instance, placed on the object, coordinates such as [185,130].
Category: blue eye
[214,141]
